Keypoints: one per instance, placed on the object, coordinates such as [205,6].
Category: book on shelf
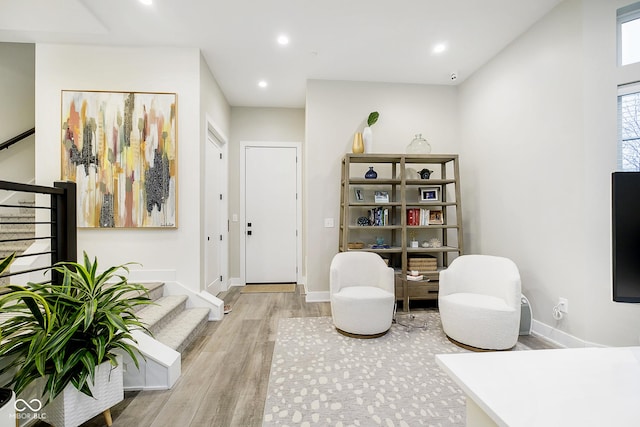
[379,216]
[418,216]
[415,278]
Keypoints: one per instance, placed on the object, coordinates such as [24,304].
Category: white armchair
[362,294]
[479,301]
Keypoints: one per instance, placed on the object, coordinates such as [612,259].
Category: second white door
[213,213]
[271,214]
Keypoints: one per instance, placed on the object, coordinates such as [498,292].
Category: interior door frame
[222,142]
[243,188]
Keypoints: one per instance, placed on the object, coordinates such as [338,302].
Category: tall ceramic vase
[367,137]
[358,146]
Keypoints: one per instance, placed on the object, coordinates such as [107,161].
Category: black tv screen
[625,192]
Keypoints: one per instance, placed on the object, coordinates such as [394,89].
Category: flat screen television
[625,195]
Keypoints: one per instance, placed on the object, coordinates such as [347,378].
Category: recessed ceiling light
[439,48]
[283,40]
[146,2]
[263,83]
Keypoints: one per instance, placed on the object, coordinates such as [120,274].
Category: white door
[270,214]
[213,215]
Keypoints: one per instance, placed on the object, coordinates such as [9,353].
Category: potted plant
[367,135]
[62,337]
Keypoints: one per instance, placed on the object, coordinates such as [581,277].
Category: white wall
[17,110]
[255,124]
[165,254]
[214,111]
[607,322]
[335,110]
[539,123]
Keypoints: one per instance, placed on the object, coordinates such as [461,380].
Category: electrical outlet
[563,305]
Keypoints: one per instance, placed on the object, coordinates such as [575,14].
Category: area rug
[322,378]
[253,289]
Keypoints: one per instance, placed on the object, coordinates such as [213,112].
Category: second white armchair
[479,301]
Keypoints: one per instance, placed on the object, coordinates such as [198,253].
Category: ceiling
[360,40]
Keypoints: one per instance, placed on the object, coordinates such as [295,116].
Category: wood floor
[225,372]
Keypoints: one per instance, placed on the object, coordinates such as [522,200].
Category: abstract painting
[120,149]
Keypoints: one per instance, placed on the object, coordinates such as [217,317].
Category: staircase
[169,319]
[16,231]
[173,319]
[174,326]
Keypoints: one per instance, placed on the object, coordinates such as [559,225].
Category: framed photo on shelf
[435,217]
[429,194]
[359,194]
[381,197]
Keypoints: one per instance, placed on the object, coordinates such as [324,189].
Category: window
[629,128]
[629,34]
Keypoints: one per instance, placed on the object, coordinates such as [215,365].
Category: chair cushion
[480,321]
[483,302]
[362,310]
[362,292]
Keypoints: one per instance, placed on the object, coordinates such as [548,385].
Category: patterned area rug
[322,378]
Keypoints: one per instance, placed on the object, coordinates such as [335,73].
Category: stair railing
[60,201]
[9,142]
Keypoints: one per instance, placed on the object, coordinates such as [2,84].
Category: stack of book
[379,216]
[417,216]
[422,264]
[422,216]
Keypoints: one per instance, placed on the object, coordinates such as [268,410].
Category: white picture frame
[429,194]
[381,197]
[359,194]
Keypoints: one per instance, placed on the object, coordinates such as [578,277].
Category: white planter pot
[72,408]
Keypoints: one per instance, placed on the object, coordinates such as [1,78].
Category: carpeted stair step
[19,221]
[163,311]
[20,246]
[154,292]
[183,329]
[22,229]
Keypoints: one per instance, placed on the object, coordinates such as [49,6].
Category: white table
[569,387]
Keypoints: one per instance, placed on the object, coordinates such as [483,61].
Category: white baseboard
[317,296]
[558,337]
[235,281]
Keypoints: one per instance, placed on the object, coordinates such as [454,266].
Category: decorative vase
[358,145]
[425,173]
[367,136]
[419,145]
[371,174]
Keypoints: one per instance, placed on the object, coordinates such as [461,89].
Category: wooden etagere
[399,189]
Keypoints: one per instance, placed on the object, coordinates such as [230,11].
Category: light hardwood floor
[226,371]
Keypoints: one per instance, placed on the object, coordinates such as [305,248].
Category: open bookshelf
[387,213]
